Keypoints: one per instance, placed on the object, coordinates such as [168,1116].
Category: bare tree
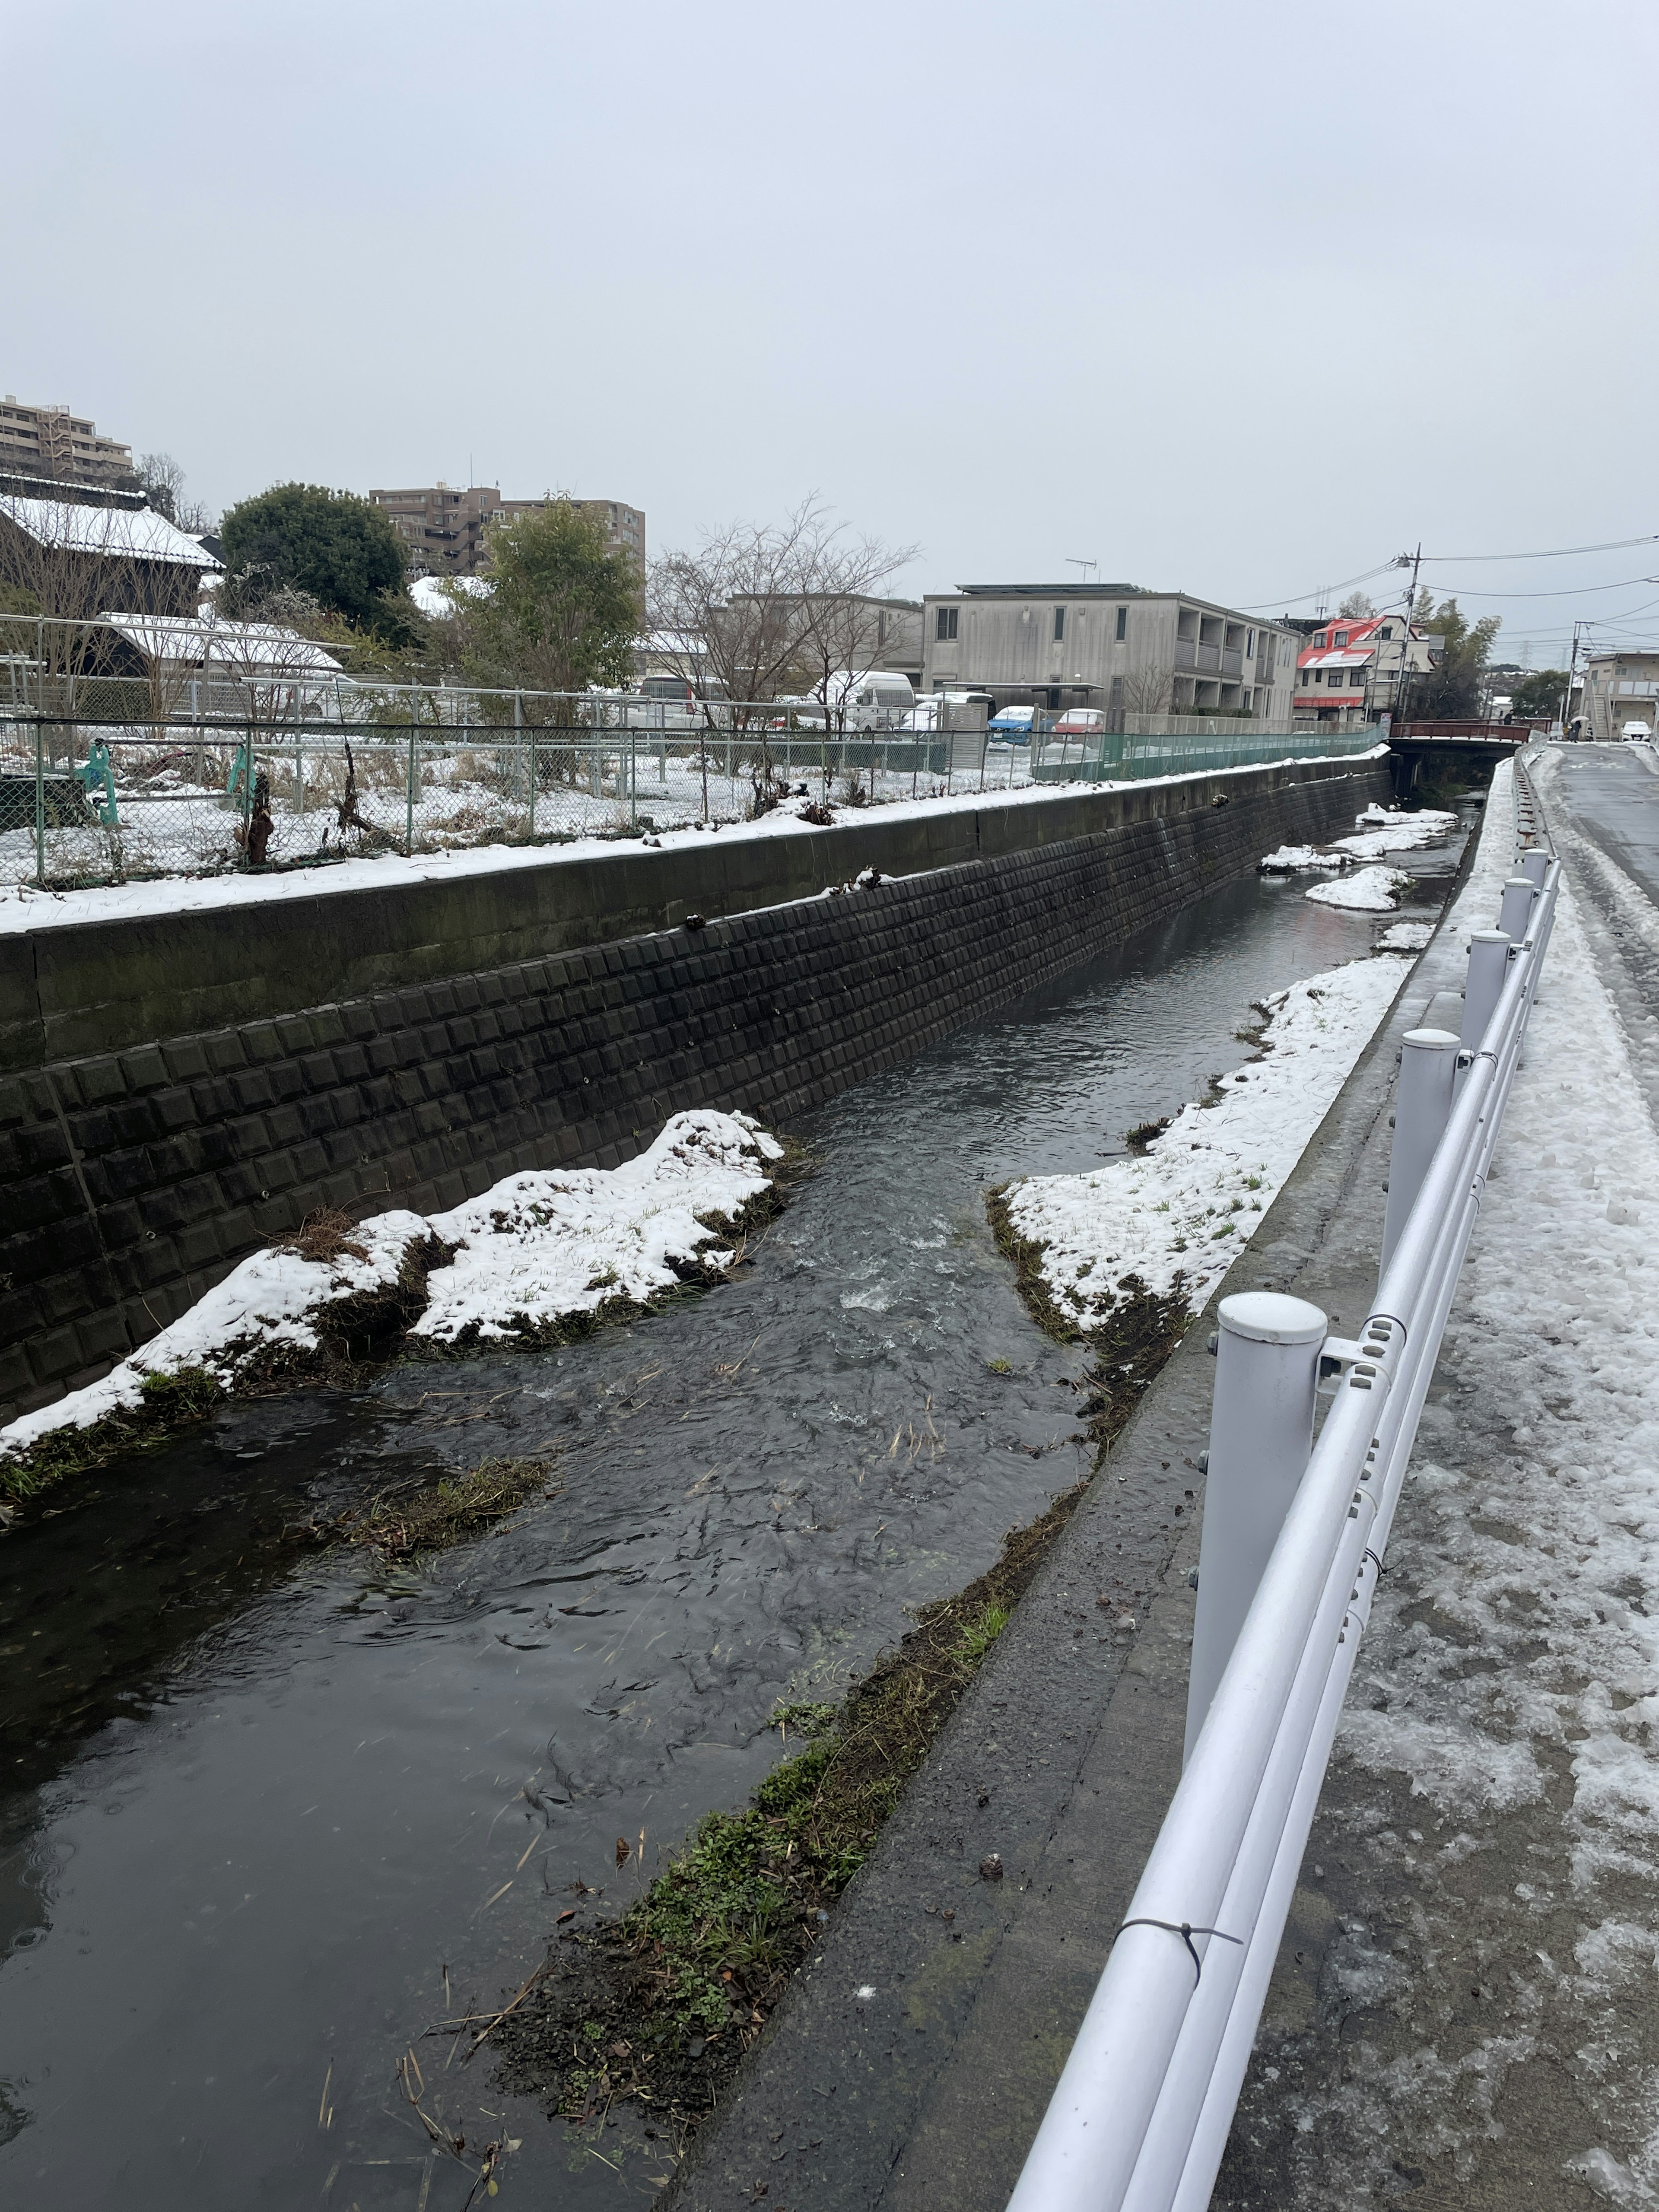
[162,482]
[1355,608]
[1149,692]
[757,607]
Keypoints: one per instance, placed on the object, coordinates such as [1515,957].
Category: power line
[1261,606]
[1567,591]
[1552,553]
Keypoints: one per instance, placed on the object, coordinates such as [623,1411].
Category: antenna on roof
[1072,561]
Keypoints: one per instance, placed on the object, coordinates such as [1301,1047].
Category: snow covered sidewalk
[530,1254]
[1482,1887]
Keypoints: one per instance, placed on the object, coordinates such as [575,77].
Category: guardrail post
[1515,911]
[1489,957]
[1261,1437]
[1422,1102]
[1534,864]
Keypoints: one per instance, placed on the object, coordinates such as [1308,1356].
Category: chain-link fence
[109,777]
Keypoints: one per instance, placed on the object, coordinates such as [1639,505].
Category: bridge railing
[1293,1542]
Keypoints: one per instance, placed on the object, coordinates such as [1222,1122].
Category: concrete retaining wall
[97,986]
[134,1175]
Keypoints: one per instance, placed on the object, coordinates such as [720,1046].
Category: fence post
[633,777]
[41,804]
[1422,1102]
[409,805]
[1515,914]
[1260,1439]
[1533,865]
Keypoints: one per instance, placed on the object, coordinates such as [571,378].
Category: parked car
[1014,725]
[1081,722]
[1637,733]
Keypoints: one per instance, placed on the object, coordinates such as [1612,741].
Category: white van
[873,698]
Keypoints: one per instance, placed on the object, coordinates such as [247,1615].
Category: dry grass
[323,1237]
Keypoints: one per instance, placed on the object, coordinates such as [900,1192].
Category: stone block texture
[133,1181]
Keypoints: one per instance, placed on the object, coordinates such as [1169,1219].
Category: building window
[1341,637]
[946,627]
[1122,624]
[1060,625]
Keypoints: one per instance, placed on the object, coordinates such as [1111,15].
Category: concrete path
[913,2060]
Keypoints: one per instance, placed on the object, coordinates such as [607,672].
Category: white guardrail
[1294,1540]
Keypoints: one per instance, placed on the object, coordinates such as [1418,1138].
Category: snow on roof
[123,533]
[431,595]
[240,647]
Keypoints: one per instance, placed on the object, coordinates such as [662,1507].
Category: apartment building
[53,444]
[1349,671]
[1117,647]
[444,527]
[1618,688]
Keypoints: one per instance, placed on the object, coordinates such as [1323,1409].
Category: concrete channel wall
[200,1083]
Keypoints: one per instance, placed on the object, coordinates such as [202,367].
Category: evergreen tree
[339,548]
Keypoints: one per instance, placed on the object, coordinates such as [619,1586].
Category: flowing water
[268,1815]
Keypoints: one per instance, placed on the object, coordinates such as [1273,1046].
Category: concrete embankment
[915,2055]
[185,1087]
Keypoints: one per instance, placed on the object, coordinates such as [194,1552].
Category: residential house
[1618,688]
[1351,669]
[79,561]
[1116,646]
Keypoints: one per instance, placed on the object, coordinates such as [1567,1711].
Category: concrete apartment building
[53,444]
[1618,688]
[1349,671]
[444,527]
[1111,645]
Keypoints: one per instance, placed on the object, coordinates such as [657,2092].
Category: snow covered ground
[1405,937]
[1384,829]
[533,1250]
[22,906]
[1368,890]
[1175,1217]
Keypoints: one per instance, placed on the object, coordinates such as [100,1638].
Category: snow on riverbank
[1405,937]
[1387,830]
[1368,890]
[540,1246]
[1175,1218]
[534,1249]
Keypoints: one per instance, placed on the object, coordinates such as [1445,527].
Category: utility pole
[1573,670]
[1400,561]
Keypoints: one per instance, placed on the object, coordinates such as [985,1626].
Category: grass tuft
[682,1982]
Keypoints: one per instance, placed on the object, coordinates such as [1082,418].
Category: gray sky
[1237,298]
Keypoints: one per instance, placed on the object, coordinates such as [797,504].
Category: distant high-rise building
[444,528]
[54,445]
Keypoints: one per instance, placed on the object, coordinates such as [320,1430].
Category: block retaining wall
[133,1179]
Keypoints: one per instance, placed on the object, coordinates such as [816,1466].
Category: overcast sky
[1241,298]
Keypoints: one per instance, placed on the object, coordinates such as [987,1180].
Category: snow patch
[1368,890]
[1176,1217]
[1405,937]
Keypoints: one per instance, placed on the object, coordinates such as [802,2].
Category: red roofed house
[1349,673]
